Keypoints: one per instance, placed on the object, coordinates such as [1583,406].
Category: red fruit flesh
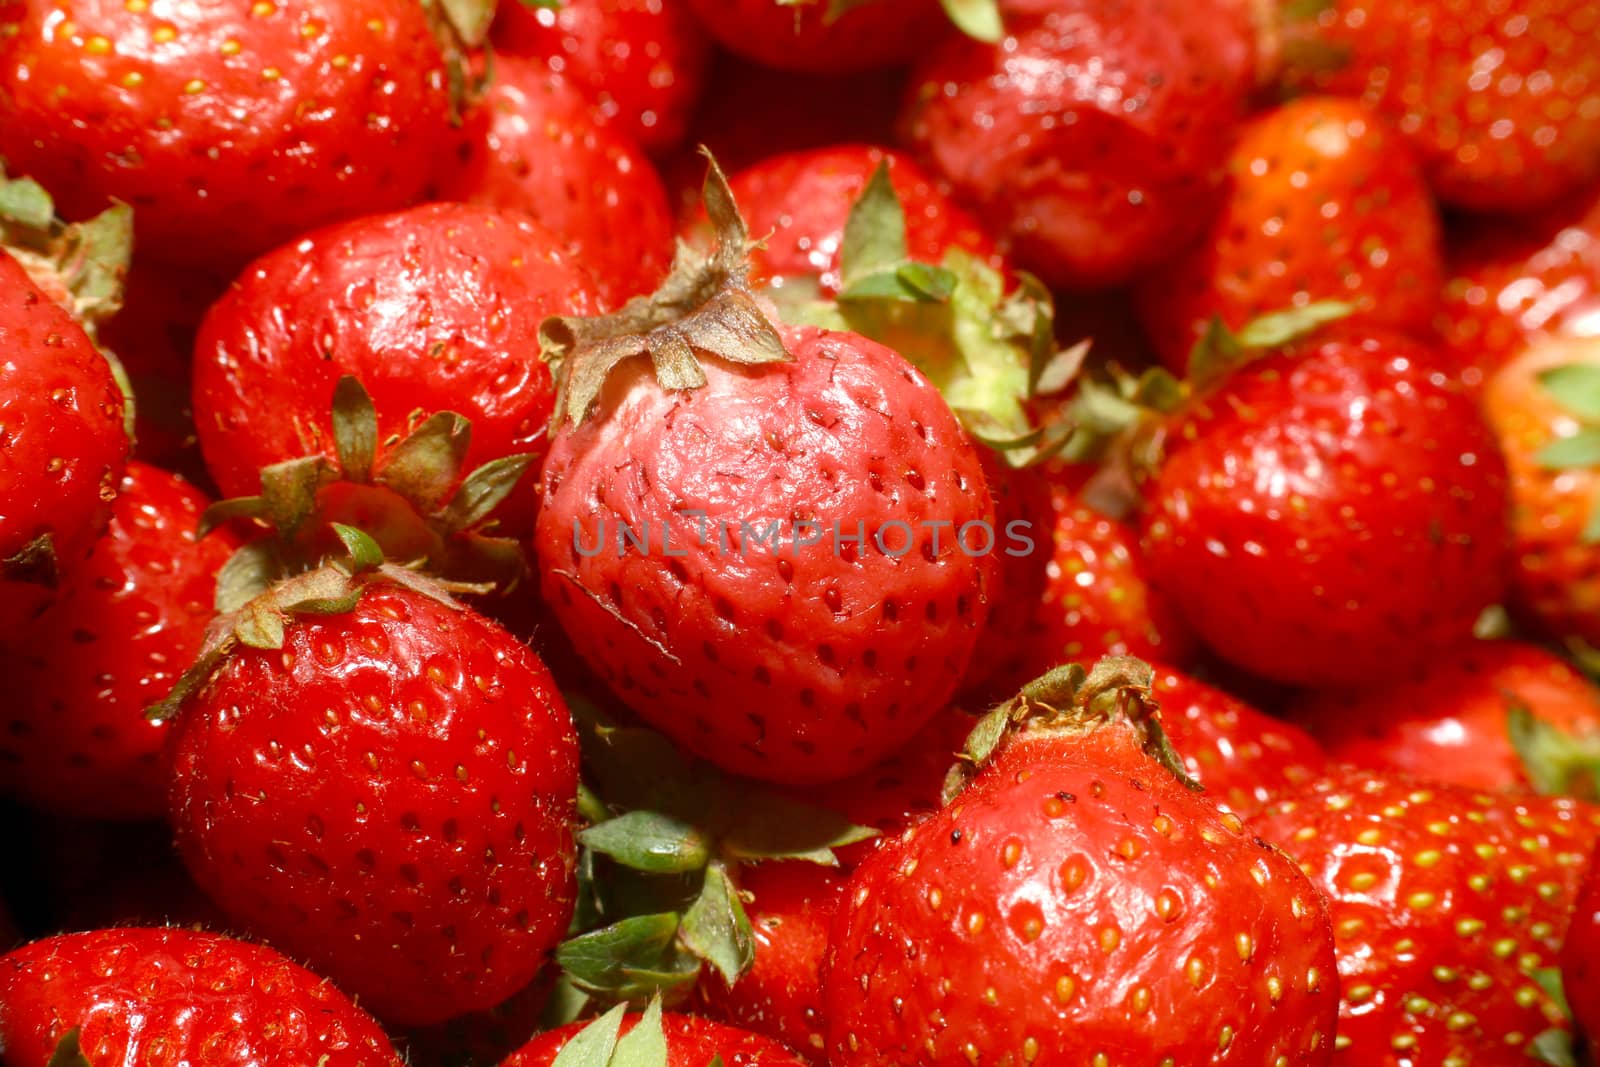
[177,996]
[535,148]
[1324,202]
[811,38]
[1580,958]
[124,625]
[391,796]
[230,127]
[62,444]
[1449,723]
[1331,515]
[792,664]
[691,1042]
[1094,135]
[641,62]
[434,309]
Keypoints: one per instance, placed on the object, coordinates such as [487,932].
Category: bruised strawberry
[641,63]
[743,545]
[1445,903]
[433,309]
[122,628]
[823,36]
[1545,407]
[1495,715]
[1331,514]
[657,1040]
[1094,135]
[1077,900]
[230,127]
[63,445]
[1324,202]
[159,995]
[534,148]
[1502,101]
[382,782]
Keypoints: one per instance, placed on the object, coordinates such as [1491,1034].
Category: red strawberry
[433,309]
[823,37]
[1502,101]
[176,996]
[1332,514]
[1545,407]
[641,62]
[62,445]
[1580,959]
[784,661]
[124,625]
[1324,202]
[802,200]
[230,127]
[1077,901]
[536,149]
[1244,757]
[1445,903]
[1469,719]
[1512,282]
[780,996]
[1094,134]
[386,789]
[664,1040]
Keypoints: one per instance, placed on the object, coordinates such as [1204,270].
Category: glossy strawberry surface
[691,1042]
[813,38]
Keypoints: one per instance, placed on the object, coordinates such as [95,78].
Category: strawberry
[1512,282]
[1331,514]
[700,627]
[381,782]
[122,627]
[642,63]
[1324,202]
[1545,407]
[62,445]
[231,127]
[1077,900]
[535,148]
[1094,135]
[1501,101]
[1445,904]
[823,36]
[1494,715]
[1581,955]
[653,1039]
[153,996]
[453,329]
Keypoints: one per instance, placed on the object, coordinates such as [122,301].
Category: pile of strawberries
[767,533]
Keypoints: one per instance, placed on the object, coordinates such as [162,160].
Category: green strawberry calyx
[659,866]
[68,1052]
[1115,693]
[988,347]
[1557,762]
[978,19]
[602,1043]
[705,307]
[1576,388]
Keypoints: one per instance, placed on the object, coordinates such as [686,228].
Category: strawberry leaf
[289,491]
[68,1052]
[649,841]
[485,489]
[567,1004]
[248,573]
[1576,387]
[1557,762]
[716,928]
[1581,449]
[365,555]
[1220,350]
[470,19]
[646,1044]
[25,202]
[355,428]
[1554,1047]
[978,19]
[600,961]
[875,232]
[593,1045]
[768,826]
[426,466]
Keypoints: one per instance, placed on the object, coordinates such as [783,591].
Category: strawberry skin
[171,996]
[642,63]
[1324,202]
[807,37]
[691,1042]
[535,148]
[792,664]
[62,445]
[1075,902]
[230,127]
[1502,101]
[1450,722]
[1334,514]
[1093,135]
[122,628]
[390,796]
[433,309]
[1444,903]
[1580,958]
